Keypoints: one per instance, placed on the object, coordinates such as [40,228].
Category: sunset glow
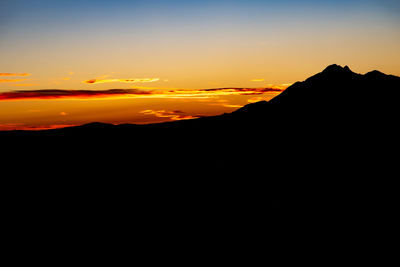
[15,74]
[54,108]
[145,80]
[72,62]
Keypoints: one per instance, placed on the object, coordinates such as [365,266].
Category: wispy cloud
[282,86]
[257,80]
[243,91]
[232,105]
[14,74]
[135,92]
[11,80]
[172,115]
[255,99]
[141,80]
[53,94]
[224,103]
[21,126]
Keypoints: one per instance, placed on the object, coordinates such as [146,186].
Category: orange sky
[43,109]
[73,62]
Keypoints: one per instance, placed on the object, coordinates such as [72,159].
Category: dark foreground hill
[328,143]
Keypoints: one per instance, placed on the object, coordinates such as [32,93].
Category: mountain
[324,143]
[335,92]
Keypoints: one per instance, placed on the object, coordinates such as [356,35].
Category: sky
[155,49]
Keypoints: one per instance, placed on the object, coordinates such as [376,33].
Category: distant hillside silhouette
[326,143]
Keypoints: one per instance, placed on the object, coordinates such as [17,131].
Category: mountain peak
[336,68]
[375,73]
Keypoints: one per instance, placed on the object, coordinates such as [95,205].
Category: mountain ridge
[338,77]
[324,144]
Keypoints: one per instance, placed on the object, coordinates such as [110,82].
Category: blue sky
[197,43]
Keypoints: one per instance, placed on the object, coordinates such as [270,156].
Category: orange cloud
[232,106]
[11,80]
[143,80]
[206,93]
[279,86]
[257,80]
[20,126]
[134,92]
[14,74]
[172,115]
[53,94]
[255,99]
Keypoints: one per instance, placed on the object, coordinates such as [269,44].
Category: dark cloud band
[56,93]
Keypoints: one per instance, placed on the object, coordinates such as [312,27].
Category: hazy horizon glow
[177,45]
[48,109]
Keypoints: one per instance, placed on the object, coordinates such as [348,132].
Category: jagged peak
[336,68]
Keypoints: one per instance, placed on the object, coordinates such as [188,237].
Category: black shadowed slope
[326,142]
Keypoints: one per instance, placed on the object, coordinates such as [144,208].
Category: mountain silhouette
[325,143]
[336,92]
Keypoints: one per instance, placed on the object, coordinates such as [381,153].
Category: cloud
[53,94]
[232,106]
[21,126]
[172,115]
[206,93]
[240,91]
[9,74]
[282,86]
[255,99]
[143,80]
[257,80]
[135,92]
[224,103]
[11,80]
[14,74]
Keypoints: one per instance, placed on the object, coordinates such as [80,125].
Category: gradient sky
[153,44]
